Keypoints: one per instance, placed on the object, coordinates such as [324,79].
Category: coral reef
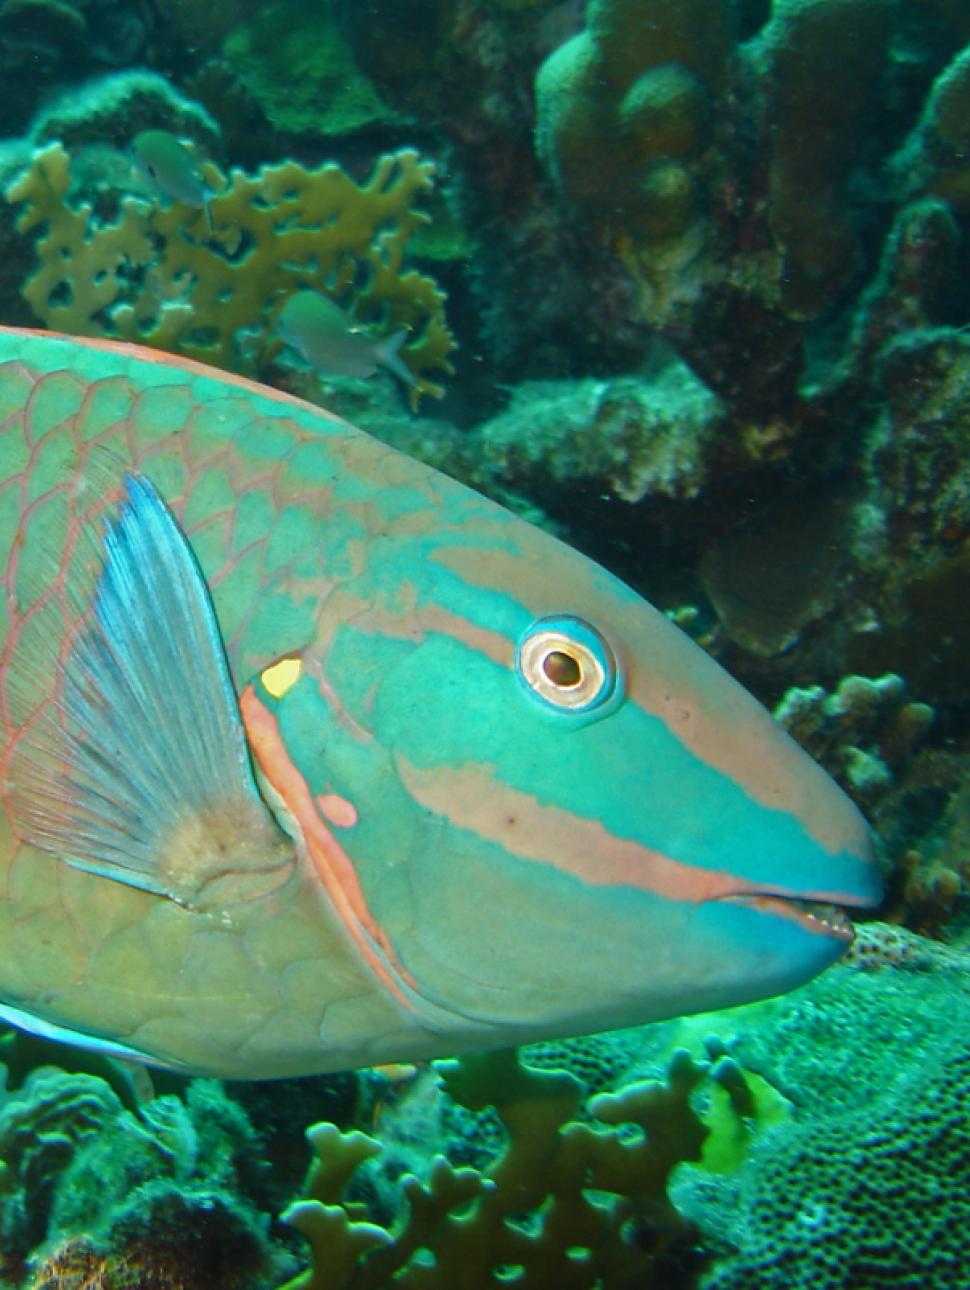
[767,606]
[757,1163]
[184,1243]
[753,198]
[626,126]
[834,1196]
[112,110]
[794,225]
[861,733]
[803,256]
[710,266]
[924,822]
[633,436]
[297,68]
[67,40]
[776,1174]
[160,1188]
[151,274]
[529,1217]
[870,736]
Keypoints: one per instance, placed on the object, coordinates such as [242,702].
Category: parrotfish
[172,169]
[314,758]
[331,341]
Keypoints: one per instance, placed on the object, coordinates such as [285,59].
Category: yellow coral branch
[155,275]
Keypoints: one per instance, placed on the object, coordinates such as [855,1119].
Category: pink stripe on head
[333,866]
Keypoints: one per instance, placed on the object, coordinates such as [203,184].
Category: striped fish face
[556,812]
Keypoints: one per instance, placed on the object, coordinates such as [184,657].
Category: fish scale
[208,455]
[459,853]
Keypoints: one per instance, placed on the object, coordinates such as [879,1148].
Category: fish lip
[818,917]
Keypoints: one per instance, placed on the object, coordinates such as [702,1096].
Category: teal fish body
[314,758]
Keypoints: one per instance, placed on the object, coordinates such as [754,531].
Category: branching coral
[861,733]
[627,127]
[153,274]
[565,1205]
[869,734]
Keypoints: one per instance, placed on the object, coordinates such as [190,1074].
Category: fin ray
[140,771]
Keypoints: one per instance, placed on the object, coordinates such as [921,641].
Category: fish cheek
[316,762]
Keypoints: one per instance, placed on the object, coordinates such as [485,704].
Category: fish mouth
[821,918]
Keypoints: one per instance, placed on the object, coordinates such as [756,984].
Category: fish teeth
[831,916]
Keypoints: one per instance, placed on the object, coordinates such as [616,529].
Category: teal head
[560,814]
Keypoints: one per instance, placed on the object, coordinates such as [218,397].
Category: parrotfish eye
[562,669]
[566,663]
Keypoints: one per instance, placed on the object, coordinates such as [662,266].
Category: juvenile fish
[331,341]
[167,164]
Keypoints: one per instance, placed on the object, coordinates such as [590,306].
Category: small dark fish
[331,341]
[169,165]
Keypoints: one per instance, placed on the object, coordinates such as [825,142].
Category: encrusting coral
[125,1200]
[154,274]
[635,436]
[837,1196]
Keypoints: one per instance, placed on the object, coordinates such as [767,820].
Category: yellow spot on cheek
[337,810]
[281,676]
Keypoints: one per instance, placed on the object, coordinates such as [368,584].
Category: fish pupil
[562,669]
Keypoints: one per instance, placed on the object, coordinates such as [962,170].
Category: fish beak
[819,918]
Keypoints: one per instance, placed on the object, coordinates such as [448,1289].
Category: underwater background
[686,282]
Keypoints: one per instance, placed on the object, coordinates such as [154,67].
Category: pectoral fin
[139,770]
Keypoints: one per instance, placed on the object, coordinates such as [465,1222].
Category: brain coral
[867,1187]
[876,1198]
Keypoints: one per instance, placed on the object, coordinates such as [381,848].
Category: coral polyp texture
[834,1196]
[154,274]
[861,733]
